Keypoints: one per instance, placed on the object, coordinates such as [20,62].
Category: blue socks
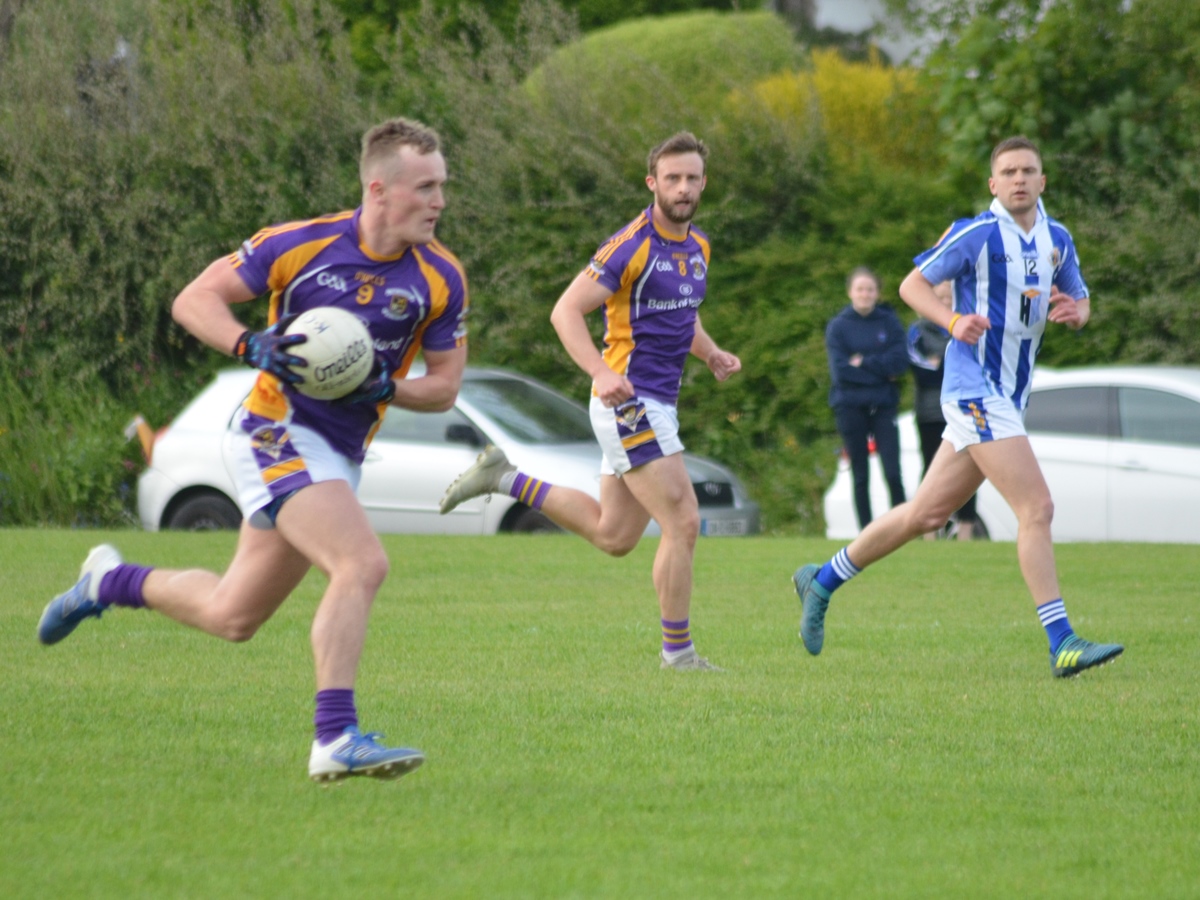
[837,571]
[1053,615]
[1054,620]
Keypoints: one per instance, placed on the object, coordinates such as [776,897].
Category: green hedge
[123,172]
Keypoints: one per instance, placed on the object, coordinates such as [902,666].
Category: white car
[415,456]
[1119,447]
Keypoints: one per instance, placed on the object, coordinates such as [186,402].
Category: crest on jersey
[400,303]
[269,440]
[630,415]
[1055,258]
[698,265]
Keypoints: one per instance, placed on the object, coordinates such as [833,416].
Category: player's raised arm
[569,318]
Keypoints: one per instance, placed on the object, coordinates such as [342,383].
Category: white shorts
[634,433]
[981,419]
[269,461]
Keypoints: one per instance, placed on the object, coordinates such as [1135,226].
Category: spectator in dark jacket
[867,356]
[927,352]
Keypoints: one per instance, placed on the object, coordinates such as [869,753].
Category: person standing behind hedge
[927,343]
[867,357]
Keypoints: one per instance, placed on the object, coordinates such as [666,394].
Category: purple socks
[123,586]
[530,491]
[676,636]
[335,713]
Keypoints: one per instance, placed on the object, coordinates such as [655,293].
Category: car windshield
[531,414]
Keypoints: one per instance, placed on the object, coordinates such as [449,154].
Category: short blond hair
[381,145]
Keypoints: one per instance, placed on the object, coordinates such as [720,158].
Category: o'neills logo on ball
[352,354]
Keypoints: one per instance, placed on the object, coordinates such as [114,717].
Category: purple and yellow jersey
[658,281]
[417,300]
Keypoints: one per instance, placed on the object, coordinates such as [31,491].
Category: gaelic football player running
[650,279]
[1013,269]
[296,460]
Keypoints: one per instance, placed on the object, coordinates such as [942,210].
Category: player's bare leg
[264,571]
[660,489]
[326,524]
[951,480]
[1012,468]
[615,524]
[665,491]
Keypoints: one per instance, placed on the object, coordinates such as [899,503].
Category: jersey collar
[1004,215]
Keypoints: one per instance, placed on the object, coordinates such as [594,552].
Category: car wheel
[205,512]
[530,521]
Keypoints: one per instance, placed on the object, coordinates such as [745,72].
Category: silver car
[415,456]
[1119,447]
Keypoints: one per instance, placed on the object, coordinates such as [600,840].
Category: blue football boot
[1074,655]
[68,609]
[815,601]
[359,754]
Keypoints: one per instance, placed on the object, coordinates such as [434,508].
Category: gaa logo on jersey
[333,280]
[699,266]
[399,300]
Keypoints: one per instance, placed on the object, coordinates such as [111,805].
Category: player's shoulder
[287,235]
[321,226]
[1058,230]
[700,237]
[632,232]
[443,261]
[979,226]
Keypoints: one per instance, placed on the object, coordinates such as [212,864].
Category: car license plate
[722,527]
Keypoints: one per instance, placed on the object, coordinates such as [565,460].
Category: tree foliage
[372,23]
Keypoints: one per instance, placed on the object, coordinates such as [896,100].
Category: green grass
[927,752]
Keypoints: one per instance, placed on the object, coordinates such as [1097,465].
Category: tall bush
[136,145]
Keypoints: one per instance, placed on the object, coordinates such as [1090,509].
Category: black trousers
[855,424]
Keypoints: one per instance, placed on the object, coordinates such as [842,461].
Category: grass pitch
[927,752]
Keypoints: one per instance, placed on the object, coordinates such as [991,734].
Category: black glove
[268,350]
[378,388]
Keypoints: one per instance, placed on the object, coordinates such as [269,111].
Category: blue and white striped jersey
[1002,273]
